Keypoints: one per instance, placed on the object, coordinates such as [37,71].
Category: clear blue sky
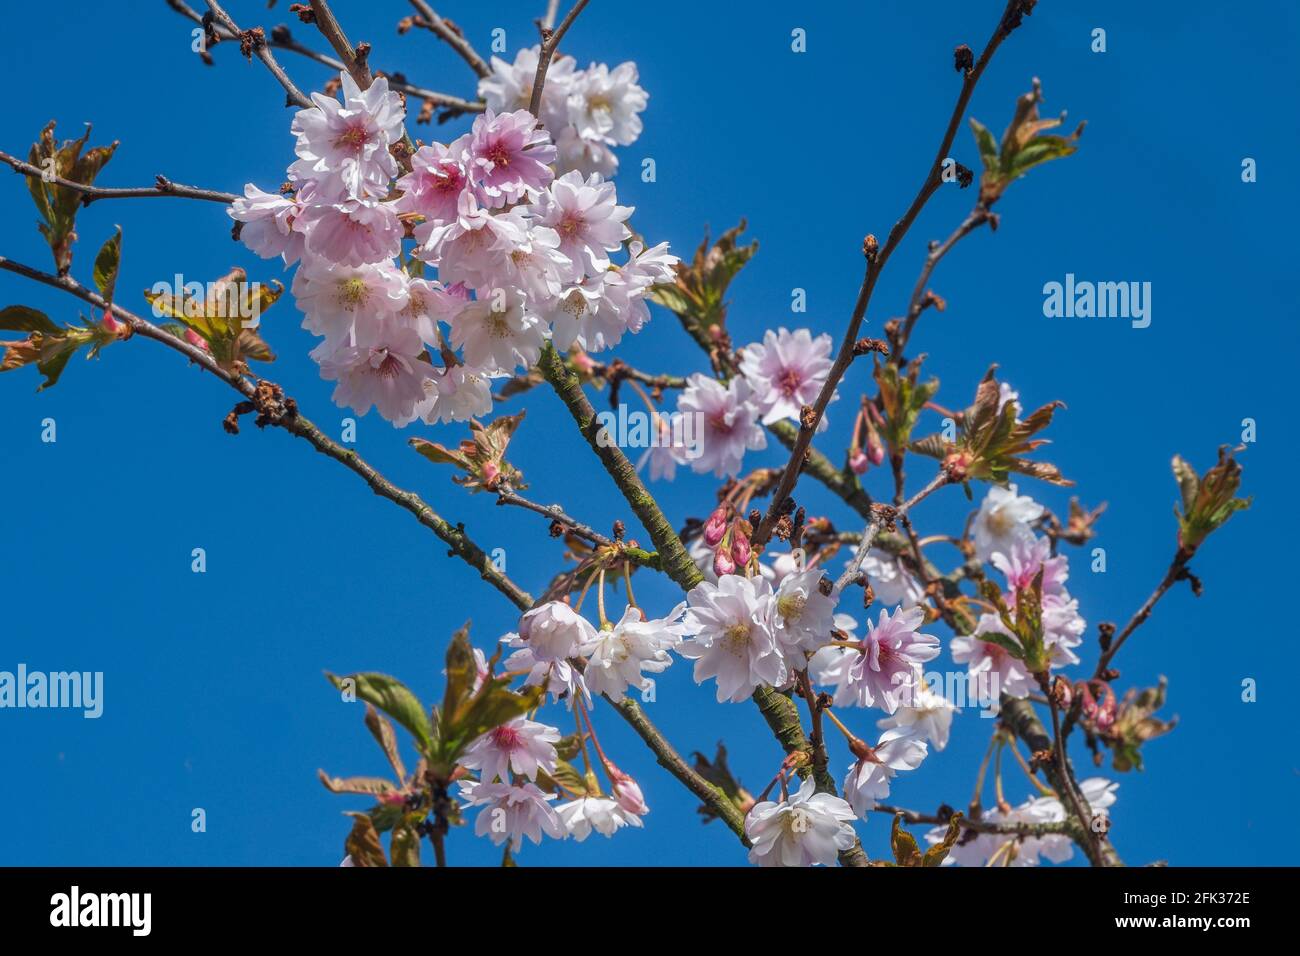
[214,693]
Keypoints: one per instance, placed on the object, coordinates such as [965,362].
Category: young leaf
[363,843]
[47,346]
[224,316]
[906,852]
[939,852]
[1209,500]
[395,699]
[482,458]
[58,204]
[106,266]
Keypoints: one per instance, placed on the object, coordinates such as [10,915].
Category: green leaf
[988,146]
[396,700]
[1039,151]
[47,346]
[1208,501]
[19,318]
[106,265]
[56,204]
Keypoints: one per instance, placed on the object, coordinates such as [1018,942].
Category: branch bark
[876,261]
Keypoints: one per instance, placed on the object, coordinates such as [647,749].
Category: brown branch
[916,305]
[555,513]
[550,40]
[430,20]
[978,826]
[453,535]
[877,257]
[296,97]
[1172,576]
[672,761]
[282,40]
[354,58]
[881,517]
[162,187]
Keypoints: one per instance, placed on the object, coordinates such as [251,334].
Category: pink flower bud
[716,526]
[628,794]
[196,340]
[740,548]
[859,462]
[112,326]
[875,448]
[722,563]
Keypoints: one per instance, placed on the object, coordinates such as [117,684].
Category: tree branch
[296,97]
[879,518]
[162,187]
[282,40]
[876,261]
[354,58]
[550,40]
[430,20]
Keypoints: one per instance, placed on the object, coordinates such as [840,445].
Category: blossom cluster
[522,255]
[778,377]
[587,111]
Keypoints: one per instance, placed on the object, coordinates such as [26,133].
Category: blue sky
[214,694]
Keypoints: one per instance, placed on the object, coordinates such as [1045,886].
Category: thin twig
[283,41]
[263,52]
[877,257]
[430,20]
[1008,828]
[162,187]
[550,40]
[877,521]
[555,513]
[1172,575]
[353,58]
[977,217]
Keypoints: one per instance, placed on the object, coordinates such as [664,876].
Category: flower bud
[875,448]
[627,793]
[722,563]
[716,526]
[740,550]
[859,463]
[196,340]
[112,326]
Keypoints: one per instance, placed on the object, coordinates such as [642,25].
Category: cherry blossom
[805,829]
[899,748]
[728,423]
[512,812]
[1005,518]
[889,663]
[731,636]
[787,371]
[927,713]
[520,745]
[619,655]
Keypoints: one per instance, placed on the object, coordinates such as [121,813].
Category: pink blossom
[508,157]
[889,663]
